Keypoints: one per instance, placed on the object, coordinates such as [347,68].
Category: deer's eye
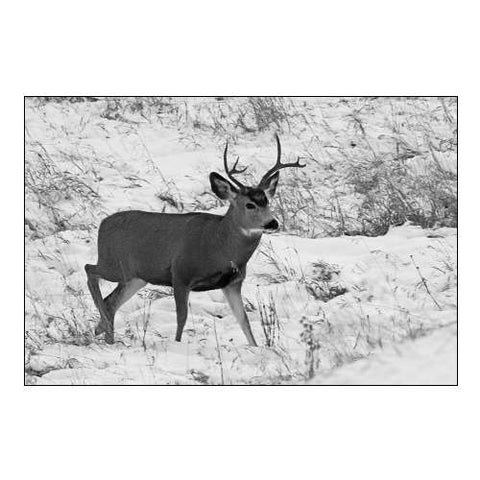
[250,206]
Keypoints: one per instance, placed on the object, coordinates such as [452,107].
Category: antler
[234,170]
[279,165]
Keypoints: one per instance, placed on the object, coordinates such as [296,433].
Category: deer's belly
[164,282]
[158,277]
[217,280]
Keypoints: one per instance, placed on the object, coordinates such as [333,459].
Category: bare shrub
[284,270]
[393,192]
[64,99]
[64,196]
[244,115]
[309,337]
[268,112]
[126,109]
[323,284]
[378,172]
[269,320]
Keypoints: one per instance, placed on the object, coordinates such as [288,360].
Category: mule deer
[189,252]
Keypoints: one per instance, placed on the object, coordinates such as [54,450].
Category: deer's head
[250,206]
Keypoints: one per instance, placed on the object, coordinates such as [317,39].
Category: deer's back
[145,244]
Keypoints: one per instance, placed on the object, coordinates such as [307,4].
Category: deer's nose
[273,225]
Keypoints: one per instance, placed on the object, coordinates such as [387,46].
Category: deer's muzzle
[272,225]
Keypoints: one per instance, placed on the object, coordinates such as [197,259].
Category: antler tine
[233,170]
[279,165]
[279,149]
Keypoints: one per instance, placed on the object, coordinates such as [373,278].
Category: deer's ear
[222,188]
[271,185]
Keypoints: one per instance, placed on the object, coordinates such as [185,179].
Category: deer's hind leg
[122,292]
[105,324]
[109,306]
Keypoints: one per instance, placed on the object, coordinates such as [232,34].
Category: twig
[222,378]
[146,321]
[424,282]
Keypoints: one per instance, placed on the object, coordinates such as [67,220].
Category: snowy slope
[429,360]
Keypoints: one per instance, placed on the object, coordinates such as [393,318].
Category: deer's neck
[236,243]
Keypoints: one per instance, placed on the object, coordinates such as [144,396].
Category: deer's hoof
[100,328]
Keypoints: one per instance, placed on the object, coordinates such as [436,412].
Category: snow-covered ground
[343,309]
[429,360]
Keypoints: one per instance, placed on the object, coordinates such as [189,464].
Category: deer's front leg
[181,293]
[233,294]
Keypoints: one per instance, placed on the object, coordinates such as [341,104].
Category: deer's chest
[220,278]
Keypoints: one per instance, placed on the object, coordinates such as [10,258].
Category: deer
[187,251]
